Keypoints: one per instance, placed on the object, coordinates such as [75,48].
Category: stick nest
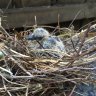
[40,72]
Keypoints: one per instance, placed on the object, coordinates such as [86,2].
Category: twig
[72,91]
[6,88]
[7,72]
[75,56]
[12,89]
[83,39]
[15,52]
[58,23]
[35,22]
[27,89]
[6,32]
[75,18]
[79,93]
[74,46]
[40,44]
[86,25]
[22,77]
[11,82]
[58,26]
[76,68]
[18,63]
[9,3]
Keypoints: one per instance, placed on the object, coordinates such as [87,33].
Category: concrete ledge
[46,15]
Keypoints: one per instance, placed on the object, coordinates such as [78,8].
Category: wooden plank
[46,15]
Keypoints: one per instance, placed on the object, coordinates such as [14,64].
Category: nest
[41,72]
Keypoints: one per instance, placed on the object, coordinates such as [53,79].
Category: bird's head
[38,34]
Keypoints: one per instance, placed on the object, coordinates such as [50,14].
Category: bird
[38,34]
[46,41]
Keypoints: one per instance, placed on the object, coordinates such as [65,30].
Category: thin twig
[72,91]
[83,39]
[27,89]
[6,32]
[75,18]
[6,87]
